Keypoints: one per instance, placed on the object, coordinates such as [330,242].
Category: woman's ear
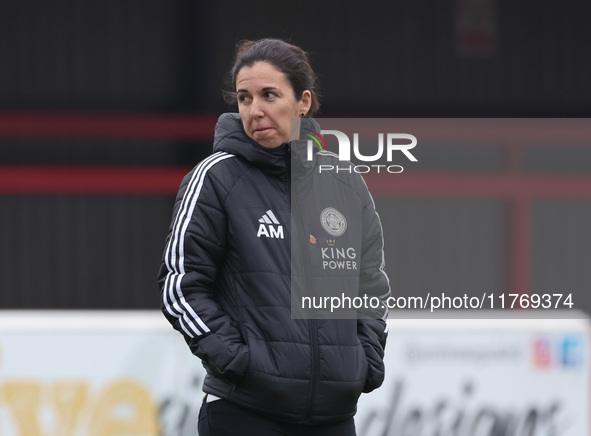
[305,102]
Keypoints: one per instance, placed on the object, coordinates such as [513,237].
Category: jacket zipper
[311,321]
[314,383]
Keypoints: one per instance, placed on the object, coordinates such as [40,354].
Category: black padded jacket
[240,217]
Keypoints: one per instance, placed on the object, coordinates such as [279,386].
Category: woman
[228,280]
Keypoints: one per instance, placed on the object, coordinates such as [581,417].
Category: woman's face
[267,104]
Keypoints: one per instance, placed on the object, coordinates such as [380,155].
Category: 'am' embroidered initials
[269,226]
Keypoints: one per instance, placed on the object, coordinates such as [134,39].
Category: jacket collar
[231,138]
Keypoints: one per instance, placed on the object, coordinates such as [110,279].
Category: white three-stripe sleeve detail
[174,291]
[174,300]
[171,304]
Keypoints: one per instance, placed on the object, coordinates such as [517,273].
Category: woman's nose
[256,108]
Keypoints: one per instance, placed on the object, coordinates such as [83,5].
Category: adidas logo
[269,226]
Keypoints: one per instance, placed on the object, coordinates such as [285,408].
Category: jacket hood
[231,138]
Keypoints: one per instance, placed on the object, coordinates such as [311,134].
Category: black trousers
[222,418]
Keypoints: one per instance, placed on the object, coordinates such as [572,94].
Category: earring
[302,115]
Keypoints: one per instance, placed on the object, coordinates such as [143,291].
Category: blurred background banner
[482,377]
[95,374]
[128,373]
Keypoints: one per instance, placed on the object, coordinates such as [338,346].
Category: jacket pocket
[220,360]
[375,369]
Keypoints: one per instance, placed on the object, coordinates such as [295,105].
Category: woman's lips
[263,130]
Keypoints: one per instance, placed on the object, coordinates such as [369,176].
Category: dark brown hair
[287,58]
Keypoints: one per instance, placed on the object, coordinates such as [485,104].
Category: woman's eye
[243,98]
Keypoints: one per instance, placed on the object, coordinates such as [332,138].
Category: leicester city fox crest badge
[333,221]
